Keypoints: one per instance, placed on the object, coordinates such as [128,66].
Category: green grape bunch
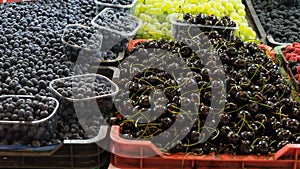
[156,23]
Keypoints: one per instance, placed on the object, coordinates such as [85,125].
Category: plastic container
[70,154]
[73,51]
[29,130]
[92,112]
[114,38]
[109,30]
[185,30]
[113,86]
[125,8]
[133,154]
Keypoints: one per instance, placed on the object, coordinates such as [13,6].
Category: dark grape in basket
[83,37]
[116,20]
[117,2]
[190,25]
[26,109]
[208,20]
[82,87]
[28,120]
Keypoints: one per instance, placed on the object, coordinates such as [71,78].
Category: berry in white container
[127,6]
[27,118]
[89,96]
[81,40]
[116,27]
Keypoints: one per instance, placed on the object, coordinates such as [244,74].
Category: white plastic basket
[17,129]
[130,8]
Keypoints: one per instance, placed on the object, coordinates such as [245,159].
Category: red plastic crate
[133,154]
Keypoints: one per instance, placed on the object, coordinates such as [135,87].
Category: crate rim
[115,137]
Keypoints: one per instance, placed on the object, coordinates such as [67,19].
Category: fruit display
[31,53]
[27,119]
[155,15]
[195,83]
[279,20]
[258,118]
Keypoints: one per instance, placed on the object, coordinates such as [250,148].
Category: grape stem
[233,146]
[261,124]
[233,111]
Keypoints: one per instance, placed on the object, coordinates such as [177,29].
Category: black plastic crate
[69,154]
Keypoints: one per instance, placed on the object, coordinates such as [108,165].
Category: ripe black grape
[253,120]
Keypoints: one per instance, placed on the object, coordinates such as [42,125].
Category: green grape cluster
[155,15]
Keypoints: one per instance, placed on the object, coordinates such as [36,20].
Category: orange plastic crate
[134,154]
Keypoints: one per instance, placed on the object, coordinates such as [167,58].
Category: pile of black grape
[82,87]
[31,53]
[258,117]
[27,109]
[279,20]
[116,20]
[82,37]
[140,88]
[117,2]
